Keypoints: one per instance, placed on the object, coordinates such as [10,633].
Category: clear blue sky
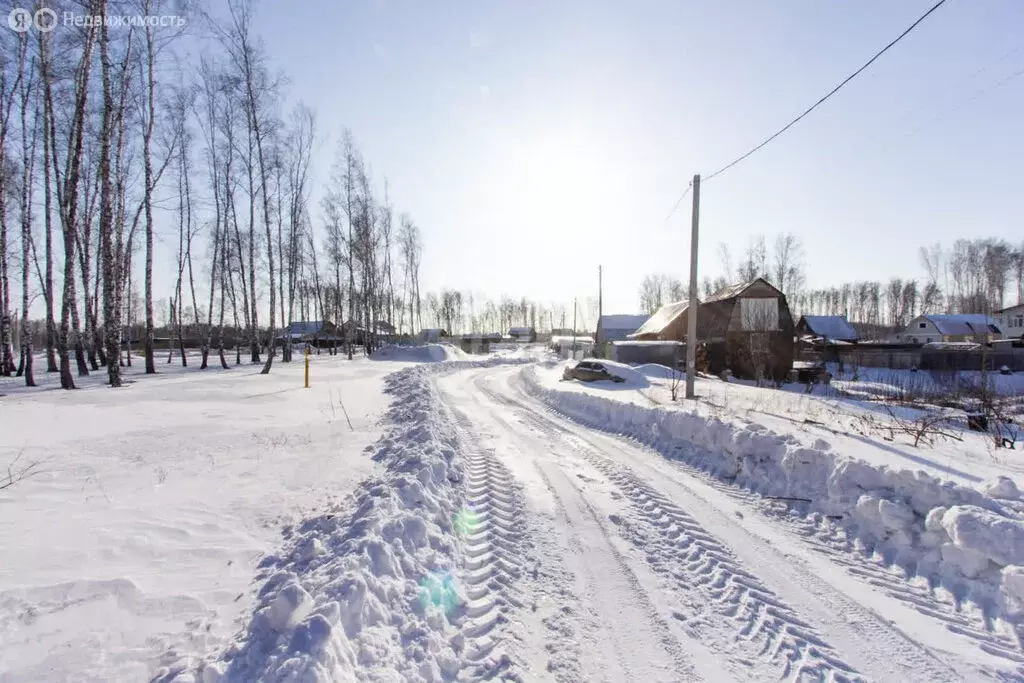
[532,140]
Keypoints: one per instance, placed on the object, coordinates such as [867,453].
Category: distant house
[746,327]
[827,327]
[354,332]
[384,328]
[432,334]
[968,327]
[1011,321]
[523,334]
[478,342]
[613,328]
[320,333]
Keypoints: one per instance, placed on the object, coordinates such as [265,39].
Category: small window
[922,325]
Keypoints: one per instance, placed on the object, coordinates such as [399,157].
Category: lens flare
[438,591]
[466,521]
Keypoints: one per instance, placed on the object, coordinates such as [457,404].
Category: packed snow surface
[134,547]
[424,516]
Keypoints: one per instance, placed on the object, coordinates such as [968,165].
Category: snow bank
[634,379]
[353,595]
[912,518]
[420,353]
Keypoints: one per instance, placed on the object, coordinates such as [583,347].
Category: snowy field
[137,541]
[429,516]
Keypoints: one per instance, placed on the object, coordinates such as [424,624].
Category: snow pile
[914,519]
[633,379]
[420,353]
[372,595]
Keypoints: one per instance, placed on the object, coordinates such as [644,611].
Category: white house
[925,329]
[1011,321]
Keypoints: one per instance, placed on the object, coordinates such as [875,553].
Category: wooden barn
[746,328]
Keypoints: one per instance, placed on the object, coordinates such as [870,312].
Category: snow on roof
[831,326]
[580,340]
[952,346]
[621,322]
[648,343]
[662,318]
[730,291]
[963,323]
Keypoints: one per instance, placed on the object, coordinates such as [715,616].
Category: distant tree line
[980,275]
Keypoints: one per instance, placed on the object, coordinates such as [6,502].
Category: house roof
[648,343]
[830,326]
[621,322]
[964,323]
[662,318]
[520,331]
[730,291]
[580,340]
[303,328]
[1011,309]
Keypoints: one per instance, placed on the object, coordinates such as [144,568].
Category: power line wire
[830,94]
[679,201]
[963,103]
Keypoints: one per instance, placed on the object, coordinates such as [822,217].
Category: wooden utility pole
[600,307]
[691,309]
[574,328]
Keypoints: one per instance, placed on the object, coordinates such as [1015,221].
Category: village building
[746,328]
[965,327]
[1011,321]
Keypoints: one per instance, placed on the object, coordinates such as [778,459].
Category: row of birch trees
[110,142]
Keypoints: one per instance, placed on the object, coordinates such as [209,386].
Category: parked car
[590,371]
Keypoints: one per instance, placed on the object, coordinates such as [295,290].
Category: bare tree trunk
[185,169]
[67,197]
[28,157]
[7,92]
[111,312]
[48,163]
[254,347]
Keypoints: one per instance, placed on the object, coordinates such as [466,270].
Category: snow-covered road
[639,569]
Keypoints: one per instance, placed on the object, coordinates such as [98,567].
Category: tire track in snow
[566,490]
[701,563]
[994,636]
[491,526]
[611,630]
[825,538]
[697,561]
[917,661]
